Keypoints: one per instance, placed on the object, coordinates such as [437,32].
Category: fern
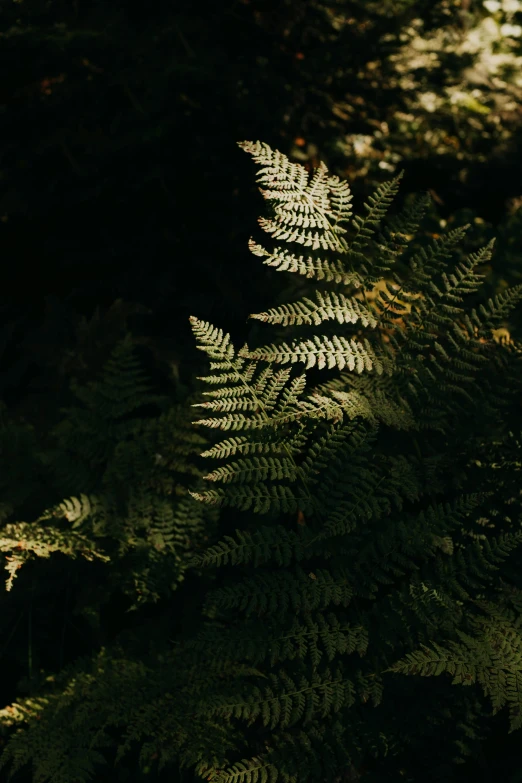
[492,657]
[410,360]
[131,505]
[386,529]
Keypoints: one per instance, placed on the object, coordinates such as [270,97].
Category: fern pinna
[379,534]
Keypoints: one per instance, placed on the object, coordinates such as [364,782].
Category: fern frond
[254,770]
[376,208]
[213,341]
[241,445]
[493,658]
[330,306]
[285,591]
[329,270]
[24,539]
[498,308]
[260,546]
[323,352]
[315,637]
[394,238]
[422,268]
[285,702]
[261,499]
[309,211]
[255,469]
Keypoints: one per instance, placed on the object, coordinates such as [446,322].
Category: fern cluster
[376,539]
[133,508]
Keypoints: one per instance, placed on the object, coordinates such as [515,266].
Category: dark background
[125,202]
[120,174]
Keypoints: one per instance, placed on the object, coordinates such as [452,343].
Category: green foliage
[374,530]
[366,564]
[368,87]
[131,511]
[493,657]
[129,473]
[408,83]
